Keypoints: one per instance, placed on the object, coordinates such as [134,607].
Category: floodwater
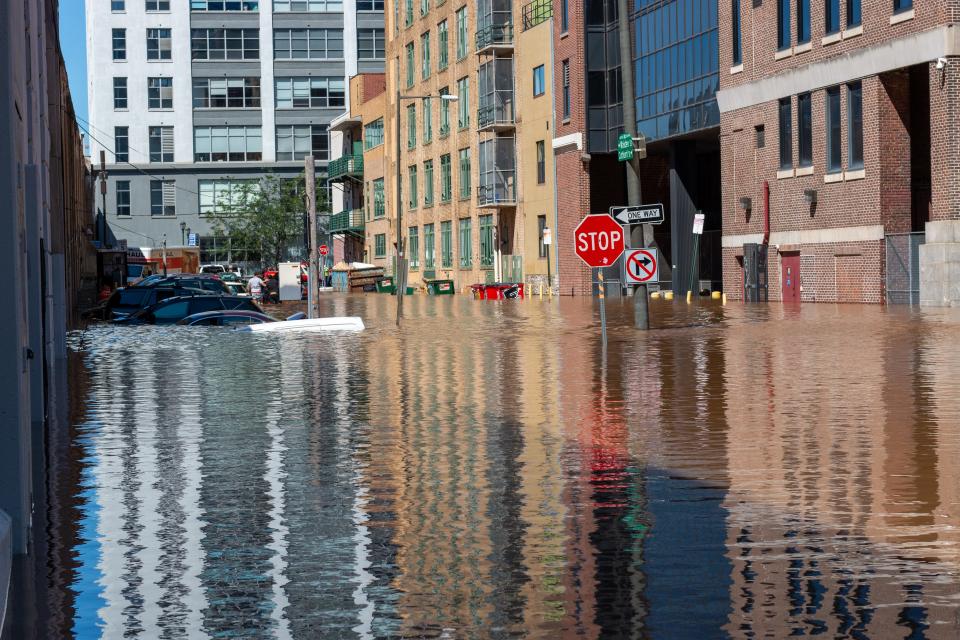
[489,471]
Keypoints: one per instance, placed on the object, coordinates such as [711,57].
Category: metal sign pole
[603,309]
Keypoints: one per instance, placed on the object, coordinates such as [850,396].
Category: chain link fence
[903,267]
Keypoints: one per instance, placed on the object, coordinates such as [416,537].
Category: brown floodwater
[490,471]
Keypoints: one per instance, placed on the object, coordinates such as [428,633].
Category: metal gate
[903,267]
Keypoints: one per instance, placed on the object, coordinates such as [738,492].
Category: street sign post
[698,223]
[192,239]
[625,147]
[598,241]
[324,250]
[643,214]
[641,266]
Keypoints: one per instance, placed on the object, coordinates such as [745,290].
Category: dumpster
[498,291]
[440,287]
[386,286]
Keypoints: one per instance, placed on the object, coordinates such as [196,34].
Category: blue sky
[73,41]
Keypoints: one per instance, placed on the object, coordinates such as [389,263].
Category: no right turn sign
[640,266]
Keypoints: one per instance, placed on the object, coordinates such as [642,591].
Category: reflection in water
[488,471]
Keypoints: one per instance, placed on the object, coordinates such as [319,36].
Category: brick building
[827,111]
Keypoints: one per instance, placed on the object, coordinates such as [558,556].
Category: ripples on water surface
[486,472]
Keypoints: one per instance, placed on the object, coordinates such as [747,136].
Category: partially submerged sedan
[173,310]
[258,322]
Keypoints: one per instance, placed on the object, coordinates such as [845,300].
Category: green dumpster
[386,286]
[440,287]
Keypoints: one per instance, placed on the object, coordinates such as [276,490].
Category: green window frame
[373,134]
[466,243]
[413,247]
[427,120]
[444,113]
[409,65]
[428,183]
[463,43]
[411,126]
[446,178]
[424,7]
[425,56]
[379,199]
[413,186]
[446,244]
[464,173]
[408,13]
[463,102]
[486,240]
[380,245]
[429,247]
[443,45]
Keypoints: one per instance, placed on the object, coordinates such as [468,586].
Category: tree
[266,216]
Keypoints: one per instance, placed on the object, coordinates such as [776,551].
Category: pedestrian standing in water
[255,285]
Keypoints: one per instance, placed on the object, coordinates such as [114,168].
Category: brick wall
[945,141]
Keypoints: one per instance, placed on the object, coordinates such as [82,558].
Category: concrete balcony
[350,166]
[350,221]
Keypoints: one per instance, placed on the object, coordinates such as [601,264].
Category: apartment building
[193,100]
[827,114]
[476,182]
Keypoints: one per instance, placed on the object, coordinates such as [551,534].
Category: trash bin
[440,287]
[386,285]
[498,291]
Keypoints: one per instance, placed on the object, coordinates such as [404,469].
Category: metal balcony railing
[536,12]
[495,116]
[495,35]
[345,166]
[350,221]
[501,193]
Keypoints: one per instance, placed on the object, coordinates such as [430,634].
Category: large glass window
[319,92]
[224,196]
[119,93]
[855,125]
[225,44]
[539,81]
[123,197]
[159,44]
[308,5]
[465,173]
[803,21]
[443,45]
[804,130]
[219,93]
[425,56]
[233,143]
[224,5]
[466,242]
[119,44]
[831,16]
[446,178]
[369,5]
[380,245]
[735,19]
[379,199]
[370,44]
[783,24]
[411,126]
[486,240]
[429,247]
[297,141]
[463,102]
[161,144]
[428,183]
[373,134]
[413,247]
[160,93]
[463,42]
[853,13]
[786,133]
[446,244]
[413,195]
[409,58]
[307,44]
[121,144]
[163,198]
[834,158]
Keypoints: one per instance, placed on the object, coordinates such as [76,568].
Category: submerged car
[225,318]
[260,322]
[127,301]
[173,310]
[211,284]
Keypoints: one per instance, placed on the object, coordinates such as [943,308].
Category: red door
[790,276]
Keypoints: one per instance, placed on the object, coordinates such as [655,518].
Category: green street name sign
[625,147]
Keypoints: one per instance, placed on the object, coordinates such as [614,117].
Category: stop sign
[598,240]
[324,250]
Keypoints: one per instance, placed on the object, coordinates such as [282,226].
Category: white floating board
[307,324]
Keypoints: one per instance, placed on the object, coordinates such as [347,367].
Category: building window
[783,24]
[566,89]
[158,5]
[541,227]
[373,134]
[414,192]
[121,144]
[158,44]
[318,92]
[446,178]
[161,144]
[466,243]
[486,240]
[123,197]
[902,5]
[804,130]
[541,162]
[221,144]
[219,93]
[224,196]
[424,7]
[413,247]
[853,13]
[427,120]
[369,5]
[444,113]
[163,198]
[296,142]
[855,125]
[831,16]
[564,19]
[225,44]
[370,44]
[462,38]
[428,183]
[119,93]
[446,244]
[443,45]
[118,5]
[429,247]
[379,199]
[737,50]
[409,58]
[160,93]
[834,160]
[463,102]
[224,5]
[411,126]
[408,13]
[119,44]
[786,134]
[380,245]
[464,173]
[539,81]
[761,135]
[307,44]
[803,20]
[425,56]
[322,6]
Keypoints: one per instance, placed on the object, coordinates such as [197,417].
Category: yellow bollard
[668,295]
[724,299]
[541,291]
[655,295]
[689,296]
[715,295]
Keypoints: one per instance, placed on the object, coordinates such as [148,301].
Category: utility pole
[309,172]
[102,222]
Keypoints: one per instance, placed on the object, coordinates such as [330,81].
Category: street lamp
[401,282]
[183,231]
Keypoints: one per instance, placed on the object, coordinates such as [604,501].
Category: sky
[73,41]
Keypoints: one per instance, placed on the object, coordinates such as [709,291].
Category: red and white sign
[324,249]
[640,266]
[598,240]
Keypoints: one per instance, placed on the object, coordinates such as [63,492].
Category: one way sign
[640,266]
[644,214]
